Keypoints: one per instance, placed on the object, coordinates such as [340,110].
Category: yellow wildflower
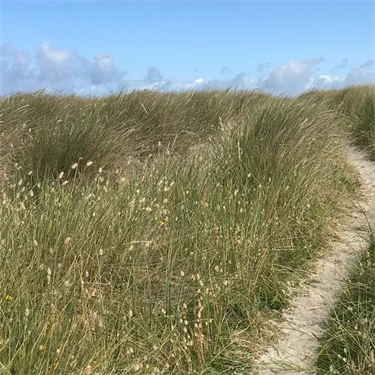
[163,221]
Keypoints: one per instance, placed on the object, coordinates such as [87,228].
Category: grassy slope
[348,347]
[196,213]
[349,343]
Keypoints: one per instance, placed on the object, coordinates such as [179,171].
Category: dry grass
[196,212]
[348,345]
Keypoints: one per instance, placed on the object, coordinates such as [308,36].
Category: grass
[145,232]
[357,104]
[348,347]
[349,343]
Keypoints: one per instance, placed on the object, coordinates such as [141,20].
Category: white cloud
[52,55]
[95,90]
[19,59]
[324,81]
[238,81]
[153,75]
[292,78]
[162,86]
[58,70]
[68,72]
[358,76]
[104,70]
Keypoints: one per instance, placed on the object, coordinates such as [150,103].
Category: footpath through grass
[348,347]
[145,233]
[349,343]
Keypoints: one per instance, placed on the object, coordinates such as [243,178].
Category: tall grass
[365,125]
[348,346]
[358,104]
[47,134]
[349,343]
[146,238]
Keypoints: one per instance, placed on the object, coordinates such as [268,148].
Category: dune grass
[349,343]
[348,347]
[357,104]
[145,232]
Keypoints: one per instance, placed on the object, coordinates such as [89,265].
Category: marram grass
[348,347]
[144,238]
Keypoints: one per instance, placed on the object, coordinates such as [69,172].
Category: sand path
[296,349]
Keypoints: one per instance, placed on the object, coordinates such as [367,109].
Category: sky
[94,47]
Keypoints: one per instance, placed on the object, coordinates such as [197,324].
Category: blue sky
[91,47]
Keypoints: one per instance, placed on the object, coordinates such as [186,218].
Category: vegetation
[156,233]
[349,343]
[348,347]
[357,103]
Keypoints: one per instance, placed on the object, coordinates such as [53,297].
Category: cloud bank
[292,78]
[67,71]
[63,70]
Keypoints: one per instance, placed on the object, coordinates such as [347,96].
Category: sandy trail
[296,350]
